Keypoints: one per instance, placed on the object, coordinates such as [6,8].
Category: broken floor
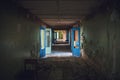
[69,68]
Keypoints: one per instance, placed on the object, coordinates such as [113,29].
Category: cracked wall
[18,35]
[102,39]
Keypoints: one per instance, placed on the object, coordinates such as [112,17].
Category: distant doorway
[59,43]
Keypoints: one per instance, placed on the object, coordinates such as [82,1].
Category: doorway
[61,43]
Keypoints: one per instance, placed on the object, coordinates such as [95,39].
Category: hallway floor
[57,67]
[60,50]
[59,54]
[69,68]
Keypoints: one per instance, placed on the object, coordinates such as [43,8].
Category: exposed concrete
[18,35]
[69,68]
[102,39]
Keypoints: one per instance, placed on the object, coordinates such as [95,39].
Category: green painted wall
[102,39]
[18,35]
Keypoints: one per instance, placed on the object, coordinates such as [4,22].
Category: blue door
[42,42]
[75,41]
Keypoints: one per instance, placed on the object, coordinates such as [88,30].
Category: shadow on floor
[61,69]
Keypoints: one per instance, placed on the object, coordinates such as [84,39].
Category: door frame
[75,51]
[48,48]
[42,51]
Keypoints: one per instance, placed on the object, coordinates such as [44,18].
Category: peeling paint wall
[18,35]
[102,39]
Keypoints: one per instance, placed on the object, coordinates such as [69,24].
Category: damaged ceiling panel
[53,11]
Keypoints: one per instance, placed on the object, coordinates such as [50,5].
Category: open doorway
[60,37]
[60,43]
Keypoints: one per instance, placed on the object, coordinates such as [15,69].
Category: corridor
[59,39]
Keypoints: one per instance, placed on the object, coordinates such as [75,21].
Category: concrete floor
[59,54]
[57,67]
[63,68]
[60,50]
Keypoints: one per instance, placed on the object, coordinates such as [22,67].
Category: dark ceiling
[60,12]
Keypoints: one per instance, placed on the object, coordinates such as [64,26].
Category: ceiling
[60,12]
